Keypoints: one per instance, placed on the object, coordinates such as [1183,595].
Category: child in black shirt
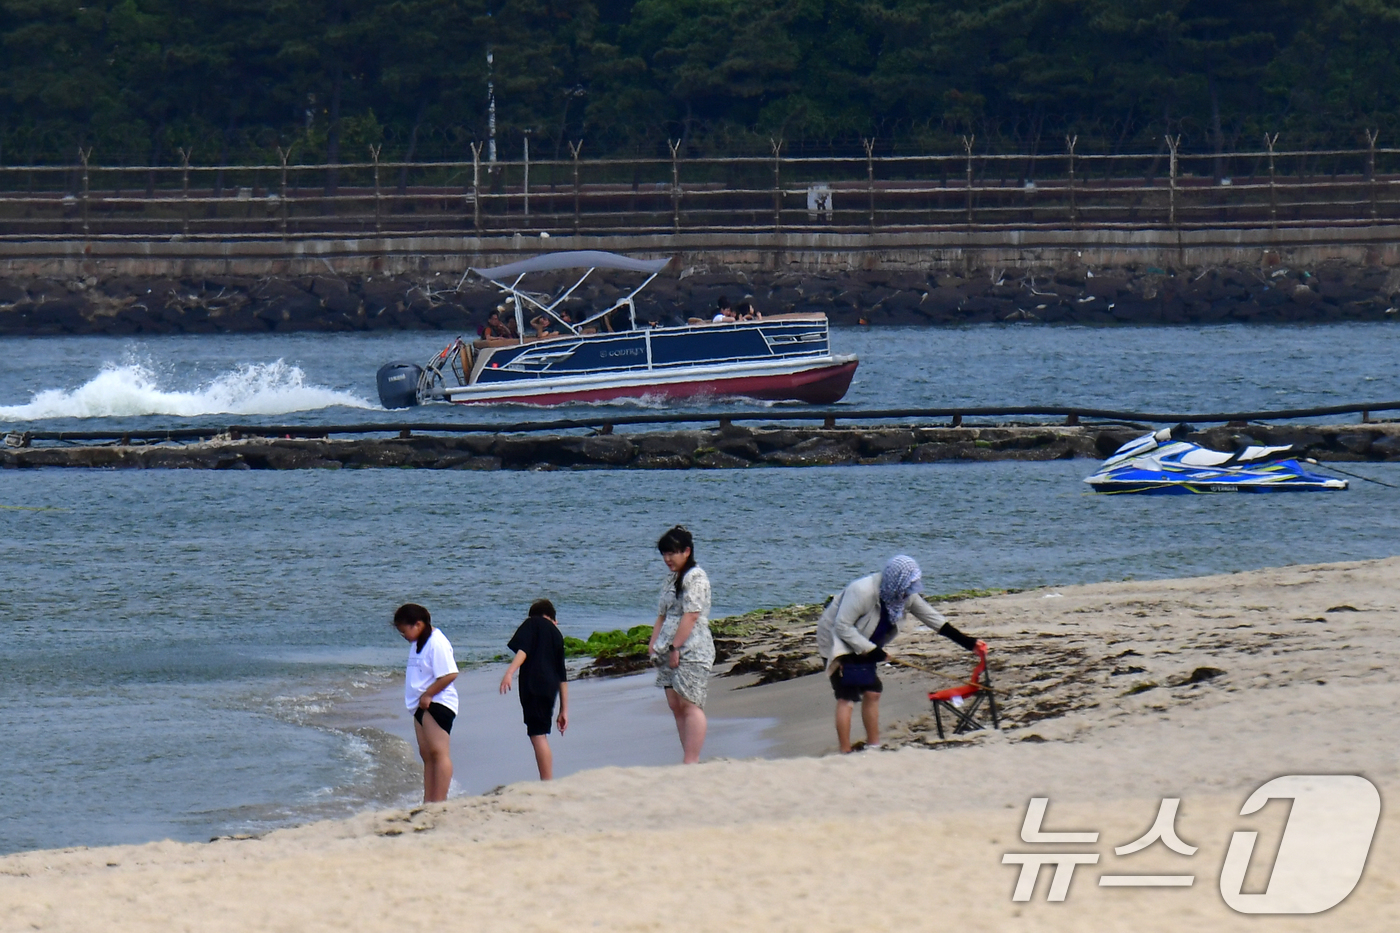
[539,657]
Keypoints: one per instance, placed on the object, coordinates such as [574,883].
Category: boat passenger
[744,311]
[856,627]
[723,313]
[495,327]
[541,325]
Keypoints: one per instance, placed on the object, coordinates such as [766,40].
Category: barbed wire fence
[776,192]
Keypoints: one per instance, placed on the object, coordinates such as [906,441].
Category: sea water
[177,641]
[113,383]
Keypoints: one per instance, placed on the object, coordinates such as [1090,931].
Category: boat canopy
[575,259]
[585,259]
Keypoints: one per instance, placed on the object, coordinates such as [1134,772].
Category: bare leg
[870,716]
[434,749]
[544,758]
[691,725]
[843,725]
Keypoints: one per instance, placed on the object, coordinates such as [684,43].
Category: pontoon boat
[784,356]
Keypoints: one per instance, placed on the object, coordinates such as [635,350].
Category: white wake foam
[133,389]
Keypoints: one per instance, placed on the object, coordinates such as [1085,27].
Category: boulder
[1303,295]
[1356,442]
[64,315]
[608,450]
[876,443]
[710,458]
[1107,441]
[681,444]
[335,296]
[520,450]
[779,439]
[743,448]
[936,453]
[466,461]
[1105,286]
[816,451]
[476,444]
[1387,446]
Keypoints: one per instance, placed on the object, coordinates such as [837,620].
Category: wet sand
[1106,715]
[620,722]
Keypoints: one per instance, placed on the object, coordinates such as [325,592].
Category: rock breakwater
[729,447]
[1134,294]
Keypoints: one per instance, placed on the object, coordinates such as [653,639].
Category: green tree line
[233,80]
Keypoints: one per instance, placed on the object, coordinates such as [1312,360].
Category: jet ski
[1165,463]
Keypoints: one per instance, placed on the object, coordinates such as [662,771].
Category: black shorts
[441,715]
[538,710]
[855,694]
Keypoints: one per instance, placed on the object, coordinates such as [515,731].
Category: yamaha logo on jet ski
[781,357]
[1165,463]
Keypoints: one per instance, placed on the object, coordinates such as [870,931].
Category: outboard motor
[398,384]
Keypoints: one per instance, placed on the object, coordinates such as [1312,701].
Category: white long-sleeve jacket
[851,617]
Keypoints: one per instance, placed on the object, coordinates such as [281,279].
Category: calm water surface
[176,638]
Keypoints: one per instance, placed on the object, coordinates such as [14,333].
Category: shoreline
[1106,714]
[615,721]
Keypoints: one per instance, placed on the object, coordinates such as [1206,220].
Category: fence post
[1371,136]
[1172,143]
[476,187]
[967,147]
[185,189]
[526,186]
[1070,142]
[374,154]
[283,154]
[85,154]
[870,177]
[1269,142]
[574,150]
[675,147]
[777,145]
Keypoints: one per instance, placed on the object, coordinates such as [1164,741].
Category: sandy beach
[1114,697]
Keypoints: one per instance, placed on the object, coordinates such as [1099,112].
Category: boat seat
[1254,452]
[955,701]
[1203,457]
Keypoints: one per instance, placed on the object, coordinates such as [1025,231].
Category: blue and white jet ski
[1165,464]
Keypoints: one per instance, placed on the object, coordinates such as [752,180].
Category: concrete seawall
[730,447]
[957,251]
[1094,277]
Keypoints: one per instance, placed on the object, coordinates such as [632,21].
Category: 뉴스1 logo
[1320,857]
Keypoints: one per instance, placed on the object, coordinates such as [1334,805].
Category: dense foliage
[137,79]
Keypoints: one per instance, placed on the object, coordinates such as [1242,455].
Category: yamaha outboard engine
[398,384]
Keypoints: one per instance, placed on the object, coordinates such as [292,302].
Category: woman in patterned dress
[681,646]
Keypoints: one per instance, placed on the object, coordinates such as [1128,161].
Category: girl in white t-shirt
[428,691]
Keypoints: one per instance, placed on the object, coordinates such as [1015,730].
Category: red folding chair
[963,703]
